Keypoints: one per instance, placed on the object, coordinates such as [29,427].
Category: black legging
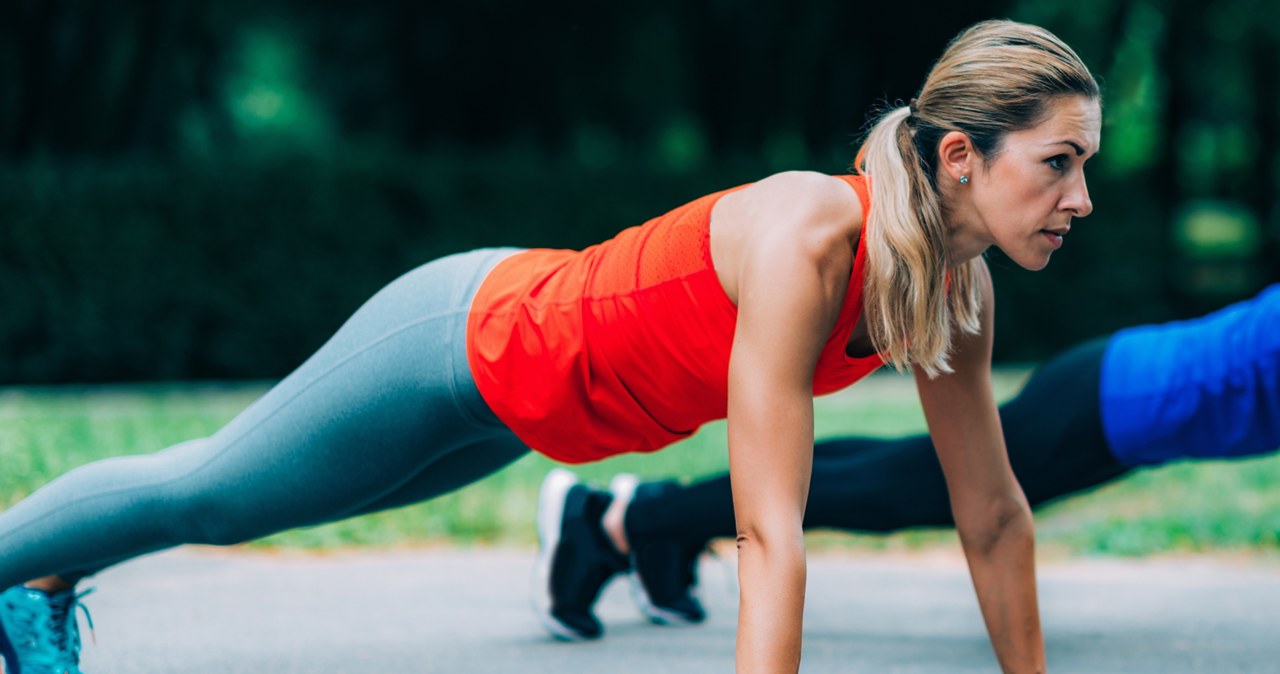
[1053,431]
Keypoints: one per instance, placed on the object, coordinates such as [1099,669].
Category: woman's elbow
[771,540]
[1006,522]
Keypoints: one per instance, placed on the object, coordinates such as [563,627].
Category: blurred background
[195,194]
[193,189]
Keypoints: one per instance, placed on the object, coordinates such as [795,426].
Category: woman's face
[1023,199]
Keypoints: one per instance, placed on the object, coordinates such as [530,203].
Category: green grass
[1183,507]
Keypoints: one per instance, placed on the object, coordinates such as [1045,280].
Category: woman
[745,303]
[1207,388]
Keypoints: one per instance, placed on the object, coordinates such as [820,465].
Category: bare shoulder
[814,193]
[820,205]
[796,217]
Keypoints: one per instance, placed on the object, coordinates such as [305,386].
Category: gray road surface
[445,610]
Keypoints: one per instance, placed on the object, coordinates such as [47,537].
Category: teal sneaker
[38,631]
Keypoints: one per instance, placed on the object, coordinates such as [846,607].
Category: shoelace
[62,623]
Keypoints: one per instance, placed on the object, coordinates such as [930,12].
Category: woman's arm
[991,512]
[788,275]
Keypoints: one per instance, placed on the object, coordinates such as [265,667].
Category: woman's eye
[1057,163]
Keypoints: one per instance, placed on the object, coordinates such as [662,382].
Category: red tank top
[624,346]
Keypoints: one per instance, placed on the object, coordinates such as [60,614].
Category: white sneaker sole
[555,486]
[623,487]
[656,615]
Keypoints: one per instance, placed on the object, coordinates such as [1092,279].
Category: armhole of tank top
[852,311]
[859,186]
[708,260]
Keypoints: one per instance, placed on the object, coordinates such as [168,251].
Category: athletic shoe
[664,574]
[38,631]
[575,558]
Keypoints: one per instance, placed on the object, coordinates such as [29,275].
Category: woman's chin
[1033,262]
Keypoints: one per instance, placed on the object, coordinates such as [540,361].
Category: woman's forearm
[1001,554]
[771,573]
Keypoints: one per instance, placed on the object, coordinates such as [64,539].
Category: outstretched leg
[386,398]
[1052,431]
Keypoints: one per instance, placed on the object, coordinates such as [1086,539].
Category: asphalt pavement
[206,611]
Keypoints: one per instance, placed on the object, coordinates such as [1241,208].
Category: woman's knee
[193,506]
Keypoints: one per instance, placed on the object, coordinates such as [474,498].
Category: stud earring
[964,180]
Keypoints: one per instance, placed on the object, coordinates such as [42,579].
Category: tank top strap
[853,304]
[859,185]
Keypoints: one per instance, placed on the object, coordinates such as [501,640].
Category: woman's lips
[1055,238]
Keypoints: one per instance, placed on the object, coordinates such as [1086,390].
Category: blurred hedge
[241,267]
[207,189]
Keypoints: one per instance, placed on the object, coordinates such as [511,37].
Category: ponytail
[909,308]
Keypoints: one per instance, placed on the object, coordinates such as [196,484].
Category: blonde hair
[994,78]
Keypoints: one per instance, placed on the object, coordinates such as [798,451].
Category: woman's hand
[991,512]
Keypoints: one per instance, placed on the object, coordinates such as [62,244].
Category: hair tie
[913,115]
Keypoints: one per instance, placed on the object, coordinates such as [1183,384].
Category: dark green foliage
[207,189]
[139,270]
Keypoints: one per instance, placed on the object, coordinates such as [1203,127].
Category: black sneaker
[664,574]
[575,558]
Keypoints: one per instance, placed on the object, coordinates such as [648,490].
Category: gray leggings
[385,414]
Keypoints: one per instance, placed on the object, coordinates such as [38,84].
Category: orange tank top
[624,346]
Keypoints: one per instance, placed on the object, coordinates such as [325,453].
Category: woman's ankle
[612,522]
[50,584]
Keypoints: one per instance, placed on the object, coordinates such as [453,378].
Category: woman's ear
[956,156]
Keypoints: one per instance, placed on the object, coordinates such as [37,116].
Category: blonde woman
[990,152]
[744,303]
